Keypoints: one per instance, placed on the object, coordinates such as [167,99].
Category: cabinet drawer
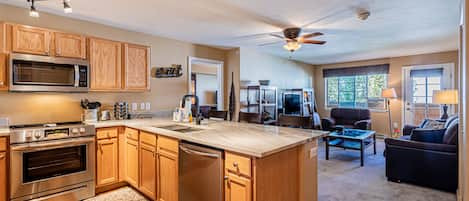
[168,144]
[238,164]
[3,144]
[131,133]
[148,138]
[103,133]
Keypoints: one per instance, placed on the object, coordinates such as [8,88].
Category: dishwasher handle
[194,152]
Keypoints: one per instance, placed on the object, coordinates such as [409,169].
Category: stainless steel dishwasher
[200,173]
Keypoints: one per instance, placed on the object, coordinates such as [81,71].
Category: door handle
[194,152]
[77,75]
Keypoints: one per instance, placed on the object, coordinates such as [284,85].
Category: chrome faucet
[198,117]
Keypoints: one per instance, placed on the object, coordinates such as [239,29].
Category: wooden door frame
[220,77]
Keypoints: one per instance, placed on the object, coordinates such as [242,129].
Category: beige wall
[50,107]
[380,119]
[232,67]
[282,73]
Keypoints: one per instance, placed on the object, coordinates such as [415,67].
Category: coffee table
[354,139]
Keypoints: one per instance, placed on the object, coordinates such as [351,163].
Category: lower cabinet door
[107,160]
[3,176]
[237,188]
[168,177]
[131,160]
[148,170]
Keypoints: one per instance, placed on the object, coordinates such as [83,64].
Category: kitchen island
[261,163]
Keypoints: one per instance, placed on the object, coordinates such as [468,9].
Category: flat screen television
[292,104]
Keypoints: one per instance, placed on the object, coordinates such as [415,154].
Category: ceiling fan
[294,40]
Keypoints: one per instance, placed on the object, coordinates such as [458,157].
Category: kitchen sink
[179,128]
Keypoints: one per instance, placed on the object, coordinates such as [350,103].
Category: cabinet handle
[2,156]
[235,164]
[100,147]
[227,179]
[1,82]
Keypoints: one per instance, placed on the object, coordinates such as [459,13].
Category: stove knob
[37,135]
[82,130]
[75,131]
[28,135]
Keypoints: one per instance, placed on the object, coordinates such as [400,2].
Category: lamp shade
[445,96]
[389,93]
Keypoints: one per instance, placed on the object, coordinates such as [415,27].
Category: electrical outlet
[147,106]
[142,106]
[134,106]
[313,152]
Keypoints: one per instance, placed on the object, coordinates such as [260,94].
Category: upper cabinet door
[3,72]
[106,64]
[137,67]
[31,40]
[70,45]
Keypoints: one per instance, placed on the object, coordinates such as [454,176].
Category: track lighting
[67,7]
[32,11]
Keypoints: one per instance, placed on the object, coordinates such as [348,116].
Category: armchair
[348,118]
[426,157]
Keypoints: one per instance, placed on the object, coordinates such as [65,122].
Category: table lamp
[388,94]
[445,98]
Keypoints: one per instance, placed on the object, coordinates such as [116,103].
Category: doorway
[419,82]
[205,79]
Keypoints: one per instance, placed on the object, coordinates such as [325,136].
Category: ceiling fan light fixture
[67,6]
[292,46]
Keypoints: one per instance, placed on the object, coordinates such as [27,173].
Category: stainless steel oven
[43,73]
[54,164]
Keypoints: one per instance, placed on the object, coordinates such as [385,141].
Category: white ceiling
[395,27]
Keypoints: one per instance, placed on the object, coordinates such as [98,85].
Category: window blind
[354,71]
[434,72]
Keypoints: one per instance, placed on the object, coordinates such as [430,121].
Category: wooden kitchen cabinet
[3,169]
[238,184]
[237,188]
[168,169]
[131,157]
[106,64]
[147,165]
[3,176]
[70,45]
[30,40]
[136,67]
[3,72]
[107,159]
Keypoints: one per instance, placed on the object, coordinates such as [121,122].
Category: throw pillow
[434,125]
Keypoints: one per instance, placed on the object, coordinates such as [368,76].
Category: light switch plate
[312,152]
[134,106]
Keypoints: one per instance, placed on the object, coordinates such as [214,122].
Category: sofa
[426,157]
[347,118]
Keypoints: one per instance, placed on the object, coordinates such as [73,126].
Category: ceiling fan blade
[317,42]
[272,43]
[277,36]
[310,35]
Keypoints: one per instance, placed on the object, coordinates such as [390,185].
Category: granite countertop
[4,132]
[250,139]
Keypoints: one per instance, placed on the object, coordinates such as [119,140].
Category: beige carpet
[340,179]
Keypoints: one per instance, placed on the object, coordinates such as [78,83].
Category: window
[361,91]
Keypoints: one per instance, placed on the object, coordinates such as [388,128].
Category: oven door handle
[53,145]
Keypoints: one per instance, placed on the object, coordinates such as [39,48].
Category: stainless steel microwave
[48,74]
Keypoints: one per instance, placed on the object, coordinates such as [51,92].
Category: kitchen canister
[90,115]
